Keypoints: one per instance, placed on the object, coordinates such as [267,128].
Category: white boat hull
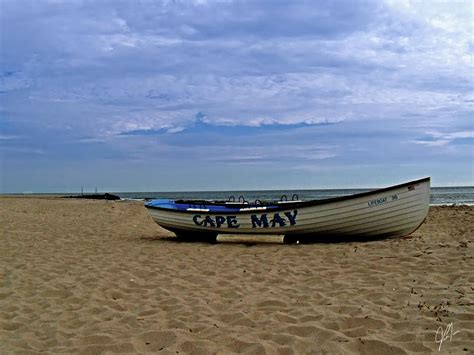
[395,211]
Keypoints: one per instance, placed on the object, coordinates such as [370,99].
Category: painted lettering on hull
[256,220]
[262,221]
[217,222]
[382,200]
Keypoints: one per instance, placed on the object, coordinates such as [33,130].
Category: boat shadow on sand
[287,240]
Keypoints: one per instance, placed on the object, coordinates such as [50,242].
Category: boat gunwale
[300,204]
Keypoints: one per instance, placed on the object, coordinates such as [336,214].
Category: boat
[387,212]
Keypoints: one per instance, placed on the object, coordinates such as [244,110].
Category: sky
[193,95]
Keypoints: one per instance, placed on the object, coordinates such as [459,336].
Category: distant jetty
[105,196]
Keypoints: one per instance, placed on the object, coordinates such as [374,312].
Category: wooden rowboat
[393,211]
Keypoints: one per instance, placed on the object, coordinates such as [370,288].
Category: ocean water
[439,195]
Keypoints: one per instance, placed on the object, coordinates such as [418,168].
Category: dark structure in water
[105,196]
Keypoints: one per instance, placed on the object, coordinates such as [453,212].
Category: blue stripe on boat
[172,205]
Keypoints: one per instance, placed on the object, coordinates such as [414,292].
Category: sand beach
[90,277]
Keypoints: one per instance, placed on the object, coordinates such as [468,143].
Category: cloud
[438,139]
[256,63]
[126,75]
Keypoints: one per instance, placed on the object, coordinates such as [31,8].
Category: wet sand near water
[81,276]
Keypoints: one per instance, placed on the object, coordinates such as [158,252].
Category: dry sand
[95,276]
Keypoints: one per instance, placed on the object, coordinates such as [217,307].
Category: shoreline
[93,276]
[123,199]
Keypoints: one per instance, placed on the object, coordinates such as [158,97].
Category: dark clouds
[89,73]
